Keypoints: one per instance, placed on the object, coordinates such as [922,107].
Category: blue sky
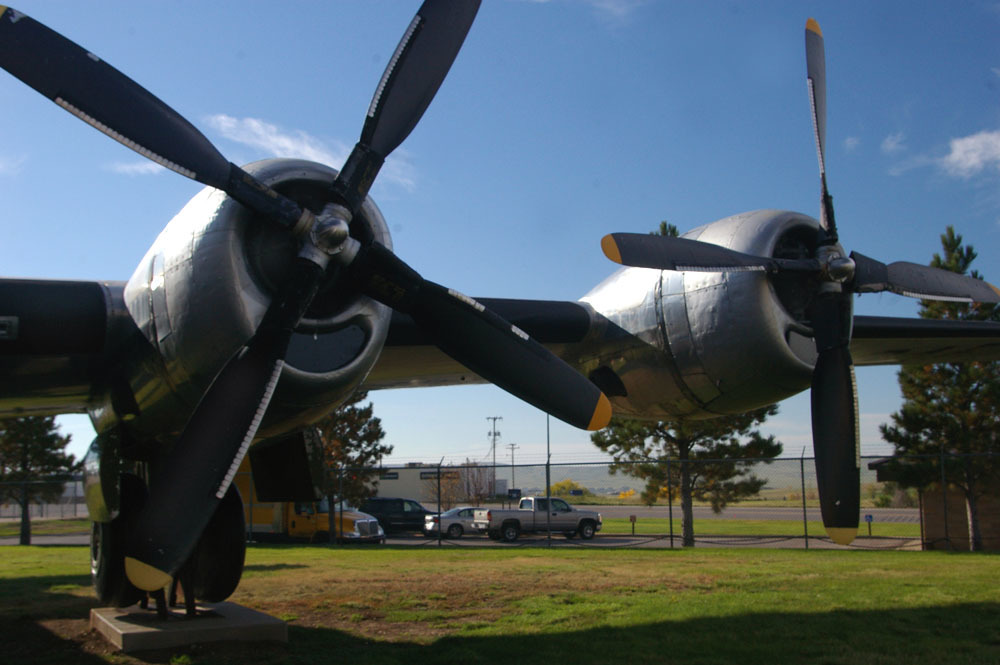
[560,121]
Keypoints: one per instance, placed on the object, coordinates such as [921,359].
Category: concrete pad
[135,629]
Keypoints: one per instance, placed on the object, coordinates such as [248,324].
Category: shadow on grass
[955,634]
[271,567]
[961,633]
[27,604]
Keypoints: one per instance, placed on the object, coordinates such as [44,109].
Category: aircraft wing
[410,358]
[882,340]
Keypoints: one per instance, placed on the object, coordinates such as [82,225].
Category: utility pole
[494,435]
[513,447]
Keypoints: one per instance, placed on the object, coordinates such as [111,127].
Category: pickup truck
[533,516]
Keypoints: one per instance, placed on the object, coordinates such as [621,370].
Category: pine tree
[951,409]
[34,464]
[707,460]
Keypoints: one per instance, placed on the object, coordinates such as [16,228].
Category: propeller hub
[836,267]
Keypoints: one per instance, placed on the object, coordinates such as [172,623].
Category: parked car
[533,515]
[455,522]
[396,514]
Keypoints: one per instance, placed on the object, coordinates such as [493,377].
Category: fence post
[670,502]
[440,523]
[802,476]
[944,500]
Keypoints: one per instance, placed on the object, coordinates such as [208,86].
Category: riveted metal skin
[706,343]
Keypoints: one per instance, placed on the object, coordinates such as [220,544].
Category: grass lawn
[46,527]
[475,605]
[729,527]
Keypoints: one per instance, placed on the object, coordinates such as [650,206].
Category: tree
[951,409]
[565,488]
[350,447]
[34,464]
[707,460]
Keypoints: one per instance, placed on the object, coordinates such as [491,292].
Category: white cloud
[276,142]
[971,155]
[144,167]
[851,143]
[273,141]
[11,166]
[618,9]
[893,143]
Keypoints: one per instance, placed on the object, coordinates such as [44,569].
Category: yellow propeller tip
[602,414]
[610,248]
[144,576]
[813,26]
[842,535]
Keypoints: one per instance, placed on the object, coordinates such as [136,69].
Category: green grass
[46,527]
[532,605]
[728,527]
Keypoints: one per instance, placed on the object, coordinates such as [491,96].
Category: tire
[107,547]
[455,531]
[510,532]
[587,530]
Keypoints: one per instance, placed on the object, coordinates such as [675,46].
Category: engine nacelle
[706,340]
[202,289]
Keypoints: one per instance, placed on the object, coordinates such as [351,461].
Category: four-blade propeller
[834,400]
[190,480]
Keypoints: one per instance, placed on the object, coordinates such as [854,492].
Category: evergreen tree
[34,464]
[951,409]
[350,448]
[707,460]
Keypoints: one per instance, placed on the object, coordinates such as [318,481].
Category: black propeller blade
[671,253]
[463,328]
[919,281]
[192,478]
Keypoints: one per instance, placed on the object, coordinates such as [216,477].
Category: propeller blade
[484,342]
[193,476]
[816,80]
[836,443]
[919,281]
[671,253]
[104,98]
[410,81]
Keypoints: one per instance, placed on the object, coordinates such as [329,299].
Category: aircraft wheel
[107,547]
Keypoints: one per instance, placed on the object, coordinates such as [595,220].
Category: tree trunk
[25,516]
[972,510]
[687,512]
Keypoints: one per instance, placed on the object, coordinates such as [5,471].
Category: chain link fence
[902,505]
[46,499]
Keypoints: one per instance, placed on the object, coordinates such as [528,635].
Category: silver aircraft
[275,293]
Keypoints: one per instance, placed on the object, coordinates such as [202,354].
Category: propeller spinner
[836,441]
[193,477]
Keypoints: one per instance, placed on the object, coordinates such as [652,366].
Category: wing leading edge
[882,340]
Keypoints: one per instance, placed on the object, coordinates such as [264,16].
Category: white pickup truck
[533,516]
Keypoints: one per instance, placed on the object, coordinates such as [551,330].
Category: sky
[560,121]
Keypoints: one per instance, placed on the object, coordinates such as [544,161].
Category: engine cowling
[203,287]
[704,341]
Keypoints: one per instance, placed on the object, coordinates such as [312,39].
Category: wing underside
[880,340]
